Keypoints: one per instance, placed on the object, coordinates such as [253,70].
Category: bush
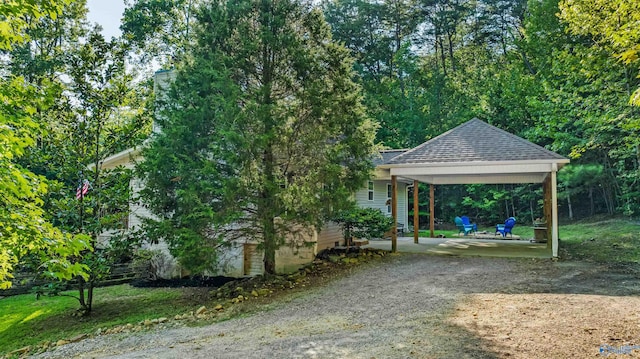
[367,223]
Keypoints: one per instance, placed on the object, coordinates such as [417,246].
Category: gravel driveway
[399,308]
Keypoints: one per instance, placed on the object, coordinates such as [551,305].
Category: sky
[107,13]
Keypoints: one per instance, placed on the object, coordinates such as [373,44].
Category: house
[244,258]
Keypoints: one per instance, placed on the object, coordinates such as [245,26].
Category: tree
[92,113]
[263,133]
[24,231]
[614,23]
[158,30]
[366,223]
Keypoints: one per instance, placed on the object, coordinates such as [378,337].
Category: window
[389,198]
[370,187]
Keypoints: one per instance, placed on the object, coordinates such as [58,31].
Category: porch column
[554,211]
[416,218]
[394,213]
[432,206]
[546,209]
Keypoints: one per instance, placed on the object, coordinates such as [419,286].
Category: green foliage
[613,23]
[366,223]
[605,240]
[27,321]
[263,132]
[24,230]
[158,30]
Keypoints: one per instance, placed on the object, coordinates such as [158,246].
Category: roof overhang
[125,158]
[496,172]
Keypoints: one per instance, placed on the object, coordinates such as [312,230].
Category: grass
[600,239]
[26,321]
[613,240]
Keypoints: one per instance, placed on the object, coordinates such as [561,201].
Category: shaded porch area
[467,247]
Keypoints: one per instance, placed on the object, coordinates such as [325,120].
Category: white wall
[380,199]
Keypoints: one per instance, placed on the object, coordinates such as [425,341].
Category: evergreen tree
[262,136]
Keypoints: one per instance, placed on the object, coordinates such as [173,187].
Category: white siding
[329,235]
[380,199]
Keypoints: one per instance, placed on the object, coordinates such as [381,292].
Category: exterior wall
[243,258]
[329,235]
[380,199]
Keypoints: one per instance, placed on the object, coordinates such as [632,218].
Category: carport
[477,153]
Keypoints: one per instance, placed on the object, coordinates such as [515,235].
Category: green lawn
[601,240]
[604,241]
[27,321]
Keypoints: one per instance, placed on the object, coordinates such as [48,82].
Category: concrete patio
[468,247]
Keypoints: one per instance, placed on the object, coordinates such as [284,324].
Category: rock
[78,338]
[99,331]
[20,351]
[162,320]
[218,307]
[264,291]
[239,289]
[240,298]
[146,323]
[129,326]
[154,321]
[254,293]
[177,317]
[201,310]
[62,342]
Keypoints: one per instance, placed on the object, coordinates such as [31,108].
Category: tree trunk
[90,297]
[570,208]
[267,206]
[81,282]
[593,209]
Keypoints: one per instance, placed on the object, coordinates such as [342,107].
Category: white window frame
[370,190]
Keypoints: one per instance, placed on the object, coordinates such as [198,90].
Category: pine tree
[263,133]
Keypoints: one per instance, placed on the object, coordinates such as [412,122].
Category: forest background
[562,74]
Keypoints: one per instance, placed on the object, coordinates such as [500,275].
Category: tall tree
[614,23]
[158,30]
[24,230]
[263,133]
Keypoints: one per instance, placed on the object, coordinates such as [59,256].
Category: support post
[546,209]
[554,212]
[432,206]
[394,213]
[416,217]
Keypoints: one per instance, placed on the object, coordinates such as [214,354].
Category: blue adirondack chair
[466,222]
[462,228]
[506,227]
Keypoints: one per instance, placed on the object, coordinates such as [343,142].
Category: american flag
[82,189]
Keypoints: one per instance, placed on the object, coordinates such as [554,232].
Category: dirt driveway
[418,306]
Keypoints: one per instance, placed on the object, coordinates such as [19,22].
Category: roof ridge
[432,139]
[522,139]
[472,141]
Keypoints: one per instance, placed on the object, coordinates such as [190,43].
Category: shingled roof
[474,141]
[387,155]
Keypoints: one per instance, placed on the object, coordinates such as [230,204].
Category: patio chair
[466,222]
[463,228]
[506,227]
